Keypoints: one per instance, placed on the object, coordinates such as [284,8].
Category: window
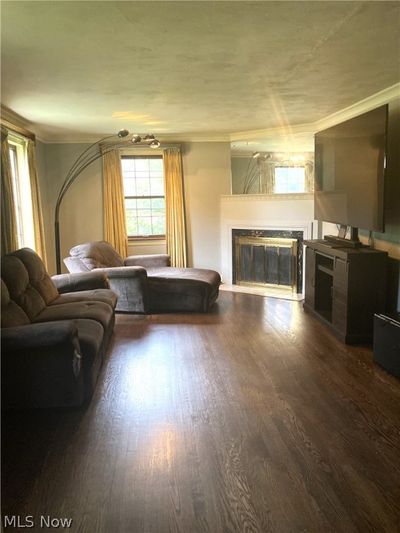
[289,180]
[144,195]
[21,191]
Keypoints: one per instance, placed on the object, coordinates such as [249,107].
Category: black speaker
[387,342]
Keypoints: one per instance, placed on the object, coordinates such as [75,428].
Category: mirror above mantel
[282,163]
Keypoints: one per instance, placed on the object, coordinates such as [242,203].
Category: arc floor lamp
[93,152]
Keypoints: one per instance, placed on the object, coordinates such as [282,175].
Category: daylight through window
[144,195]
[289,180]
[21,191]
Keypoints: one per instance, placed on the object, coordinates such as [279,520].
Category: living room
[254,415]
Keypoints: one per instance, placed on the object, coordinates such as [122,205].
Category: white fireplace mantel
[267,212]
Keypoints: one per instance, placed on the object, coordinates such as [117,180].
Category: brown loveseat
[146,283]
[53,339]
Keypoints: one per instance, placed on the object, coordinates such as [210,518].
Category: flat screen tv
[350,161]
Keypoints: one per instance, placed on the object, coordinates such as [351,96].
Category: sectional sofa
[147,283]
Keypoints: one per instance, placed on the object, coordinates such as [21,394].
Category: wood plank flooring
[252,418]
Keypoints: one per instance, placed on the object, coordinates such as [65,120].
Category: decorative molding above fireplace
[263,214]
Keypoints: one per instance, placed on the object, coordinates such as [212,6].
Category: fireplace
[268,258]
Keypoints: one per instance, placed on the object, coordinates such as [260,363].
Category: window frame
[156,237]
[22,193]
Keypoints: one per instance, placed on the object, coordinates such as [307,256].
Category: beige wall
[206,177]
[206,168]
[81,216]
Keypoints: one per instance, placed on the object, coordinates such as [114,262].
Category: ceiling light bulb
[256,154]
[136,138]
[123,133]
[155,144]
[149,137]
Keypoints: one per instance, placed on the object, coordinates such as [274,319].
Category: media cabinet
[344,287]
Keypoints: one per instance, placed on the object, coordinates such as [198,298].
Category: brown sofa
[54,333]
[146,283]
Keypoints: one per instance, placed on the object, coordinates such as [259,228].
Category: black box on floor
[387,342]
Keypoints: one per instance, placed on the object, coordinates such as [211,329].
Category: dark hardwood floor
[253,418]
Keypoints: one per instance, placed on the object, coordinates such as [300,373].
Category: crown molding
[163,138]
[270,132]
[371,102]
[367,104]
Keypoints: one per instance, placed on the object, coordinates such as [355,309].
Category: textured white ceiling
[192,68]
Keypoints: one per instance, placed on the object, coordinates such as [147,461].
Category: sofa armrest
[148,261]
[80,281]
[41,365]
[130,285]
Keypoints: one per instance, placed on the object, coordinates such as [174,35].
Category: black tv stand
[344,287]
[341,242]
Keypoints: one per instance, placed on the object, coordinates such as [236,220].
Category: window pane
[143,203]
[156,165]
[158,203]
[143,179]
[141,165]
[289,180]
[144,226]
[157,186]
[127,165]
[143,213]
[22,195]
[143,187]
[130,186]
[130,205]
[159,225]
[131,226]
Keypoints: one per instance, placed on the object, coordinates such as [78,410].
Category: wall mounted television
[350,161]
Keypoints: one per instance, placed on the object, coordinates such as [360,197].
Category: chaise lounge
[146,283]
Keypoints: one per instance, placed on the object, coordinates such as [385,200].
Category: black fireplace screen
[268,257]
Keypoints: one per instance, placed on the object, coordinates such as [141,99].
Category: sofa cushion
[97,254]
[182,289]
[211,277]
[38,276]
[16,278]
[98,311]
[106,296]
[149,261]
[11,313]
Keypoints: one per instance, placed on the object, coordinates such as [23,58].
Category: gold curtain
[267,176]
[114,203]
[175,207]
[309,175]
[37,214]
[9,230]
